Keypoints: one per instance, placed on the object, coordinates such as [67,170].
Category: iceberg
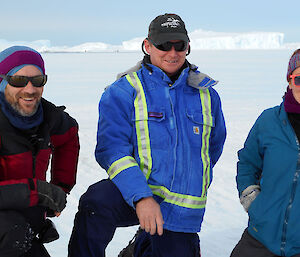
[200,40]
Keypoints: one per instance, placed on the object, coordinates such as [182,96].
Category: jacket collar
[195,78]
[285,123]
[282,113]
[198,79]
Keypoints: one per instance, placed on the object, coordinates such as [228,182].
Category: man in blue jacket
[160,132]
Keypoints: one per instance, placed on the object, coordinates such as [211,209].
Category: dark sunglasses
[295,79]
[167,46]
[22,81]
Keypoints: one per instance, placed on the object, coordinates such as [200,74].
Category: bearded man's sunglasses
[22,81]
[296,79]
[167,46]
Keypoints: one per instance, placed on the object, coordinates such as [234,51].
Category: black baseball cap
[167,27]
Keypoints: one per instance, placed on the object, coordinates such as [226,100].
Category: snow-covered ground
[250,81]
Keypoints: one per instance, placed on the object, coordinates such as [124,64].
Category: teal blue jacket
[161,139]
[270,158]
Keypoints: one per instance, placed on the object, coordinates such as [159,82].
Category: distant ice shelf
[199,40]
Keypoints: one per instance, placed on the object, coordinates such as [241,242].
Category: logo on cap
[171,22]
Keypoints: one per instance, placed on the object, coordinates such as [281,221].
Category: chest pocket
[199,126]
[155,121]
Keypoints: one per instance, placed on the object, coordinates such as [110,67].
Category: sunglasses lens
[180,46]
[39,81]
[297,80]
[18,81]
[165,46]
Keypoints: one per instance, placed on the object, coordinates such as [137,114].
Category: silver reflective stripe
[207,124]
[120,165]
[188,201]
[141,125]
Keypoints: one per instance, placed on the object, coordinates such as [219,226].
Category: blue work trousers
[102,209]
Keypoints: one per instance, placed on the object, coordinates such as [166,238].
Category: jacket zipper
[33,164]
[35,152]
[292,196]
[176,140]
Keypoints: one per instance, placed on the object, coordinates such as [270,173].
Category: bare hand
[150,217]
[57,213]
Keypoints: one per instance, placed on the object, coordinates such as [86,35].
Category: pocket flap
[153,115]
[200,118]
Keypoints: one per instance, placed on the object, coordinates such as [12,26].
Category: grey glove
[248,196]
[51,196]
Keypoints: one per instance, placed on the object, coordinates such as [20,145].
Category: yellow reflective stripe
[137,122]
[121,164]
[207,124]
[141,125]
[188,201]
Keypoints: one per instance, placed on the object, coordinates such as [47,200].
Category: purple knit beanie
[14,58]
[294,63]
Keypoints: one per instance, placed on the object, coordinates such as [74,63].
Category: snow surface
[250,81]
[200,39]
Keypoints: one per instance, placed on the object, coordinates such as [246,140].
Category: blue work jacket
[270,158]
[162,139]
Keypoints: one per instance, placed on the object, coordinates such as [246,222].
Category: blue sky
[66,22]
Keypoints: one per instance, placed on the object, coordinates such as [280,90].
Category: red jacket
[26,154]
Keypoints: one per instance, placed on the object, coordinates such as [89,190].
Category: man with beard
[32,130]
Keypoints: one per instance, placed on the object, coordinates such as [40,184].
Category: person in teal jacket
[161,130]
[268,177]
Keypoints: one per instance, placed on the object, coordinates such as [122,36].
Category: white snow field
[250,81]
